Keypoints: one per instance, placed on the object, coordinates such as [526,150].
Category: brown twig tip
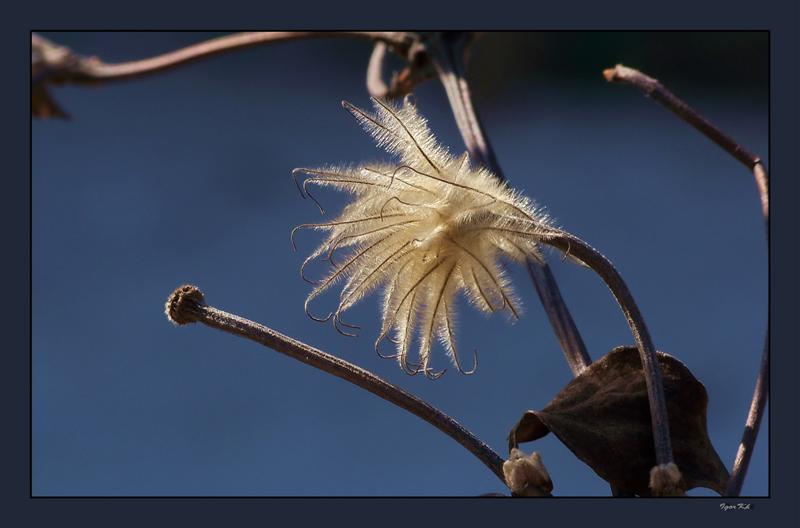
[666,481]
[610,74]
[620,73]
[182,305]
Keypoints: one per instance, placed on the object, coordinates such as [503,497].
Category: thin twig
[761,392]
[92,69]
[187,305]
[751,426]
[560,318]
[655,90]
[447,55]
[577,248]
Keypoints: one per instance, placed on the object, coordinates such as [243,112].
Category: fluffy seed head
[423,229]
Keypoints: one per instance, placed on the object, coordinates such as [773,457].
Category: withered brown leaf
[603,416]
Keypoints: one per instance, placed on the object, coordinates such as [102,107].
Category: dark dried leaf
[603,416]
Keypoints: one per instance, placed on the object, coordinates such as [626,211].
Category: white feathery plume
[423,229]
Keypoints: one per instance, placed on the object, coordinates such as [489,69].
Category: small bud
[182,304]
[526,475]
[666,481]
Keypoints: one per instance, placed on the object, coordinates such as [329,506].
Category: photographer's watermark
[724,506]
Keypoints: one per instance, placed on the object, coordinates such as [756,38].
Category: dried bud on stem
[182,306]
[526,476]
[666,481]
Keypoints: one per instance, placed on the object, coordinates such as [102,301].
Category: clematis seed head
[422,229]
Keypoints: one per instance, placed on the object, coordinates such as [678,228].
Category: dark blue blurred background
[184,177]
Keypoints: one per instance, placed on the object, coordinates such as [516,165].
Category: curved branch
[574,246]
[447,55]
[75,68]
[654,89]
[448,58]
[751,426]
[187,305]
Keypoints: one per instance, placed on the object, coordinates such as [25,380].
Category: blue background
[184,177]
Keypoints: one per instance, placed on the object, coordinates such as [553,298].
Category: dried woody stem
[187,305]
[61,65]
[577,248]
[751,426]
[447,54]
[655,90]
